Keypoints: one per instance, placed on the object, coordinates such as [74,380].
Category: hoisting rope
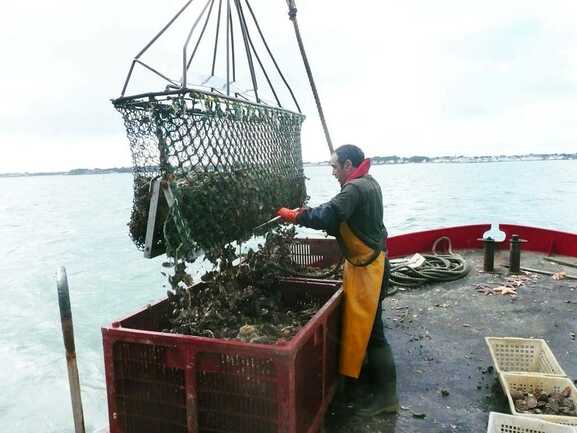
[293,18]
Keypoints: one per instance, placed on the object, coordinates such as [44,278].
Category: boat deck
[446,382]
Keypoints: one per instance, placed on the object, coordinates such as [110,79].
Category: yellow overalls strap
[361,285]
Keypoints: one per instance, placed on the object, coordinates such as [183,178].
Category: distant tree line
[377,160]
[79,171]
[75,172]
[394,159]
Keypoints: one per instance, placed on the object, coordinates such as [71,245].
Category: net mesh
[230,164]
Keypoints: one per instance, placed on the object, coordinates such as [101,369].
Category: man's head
[344,161]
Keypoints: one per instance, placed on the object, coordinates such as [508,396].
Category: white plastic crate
[548,384]
[501,423]
[523,355]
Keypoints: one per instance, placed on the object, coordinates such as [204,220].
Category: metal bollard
[515,254]
[489,257]
[68,333]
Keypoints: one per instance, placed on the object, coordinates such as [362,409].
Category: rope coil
[434,268]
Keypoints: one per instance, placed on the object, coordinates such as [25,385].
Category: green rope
[436,268]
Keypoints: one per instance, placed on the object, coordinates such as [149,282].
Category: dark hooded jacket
[360,204]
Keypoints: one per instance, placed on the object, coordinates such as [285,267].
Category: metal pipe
[262,66]
[68,334]
[163,30]
[152,42]
[233,56]
[515,254]
[128,78]
[161,75]
[247,48]
[293,18]
[272,57]
[216,38]
[227,47]
[137,99]
[489,254]
[208,15]
[184,57]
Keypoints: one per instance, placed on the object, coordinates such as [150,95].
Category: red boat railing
[467,237]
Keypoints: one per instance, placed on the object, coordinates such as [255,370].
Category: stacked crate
[524,364]
[501,423]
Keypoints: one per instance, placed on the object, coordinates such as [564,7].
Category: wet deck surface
[437,334]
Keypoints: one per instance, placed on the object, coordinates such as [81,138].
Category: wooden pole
[68,334]
[293,18]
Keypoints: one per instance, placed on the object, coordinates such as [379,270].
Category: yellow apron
[361,285]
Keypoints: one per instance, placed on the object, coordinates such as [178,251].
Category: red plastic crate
[318,253]
[159,382]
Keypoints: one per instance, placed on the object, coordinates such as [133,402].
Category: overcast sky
[395,77]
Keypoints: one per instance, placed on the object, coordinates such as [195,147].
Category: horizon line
[406,159]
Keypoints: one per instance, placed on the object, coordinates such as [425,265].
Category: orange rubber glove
[289,215]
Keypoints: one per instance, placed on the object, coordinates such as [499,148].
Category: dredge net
[229,164]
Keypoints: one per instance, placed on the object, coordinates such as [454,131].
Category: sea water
[80,222]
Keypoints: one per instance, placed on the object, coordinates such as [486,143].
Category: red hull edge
[467,237]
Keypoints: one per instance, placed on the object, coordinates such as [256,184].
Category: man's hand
[289,215]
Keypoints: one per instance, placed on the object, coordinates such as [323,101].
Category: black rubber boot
[384,377]
[343,398]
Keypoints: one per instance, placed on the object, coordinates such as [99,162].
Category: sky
[396,78]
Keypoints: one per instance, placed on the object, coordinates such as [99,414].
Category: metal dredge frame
[231,56]
[212,151]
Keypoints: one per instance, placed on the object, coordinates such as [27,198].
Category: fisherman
[355,217]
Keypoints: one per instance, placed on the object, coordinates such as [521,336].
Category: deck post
[68,334]
[489,254]
[515,254]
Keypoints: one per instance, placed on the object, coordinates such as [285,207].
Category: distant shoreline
[75,172]
[382,160]
[377,160]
